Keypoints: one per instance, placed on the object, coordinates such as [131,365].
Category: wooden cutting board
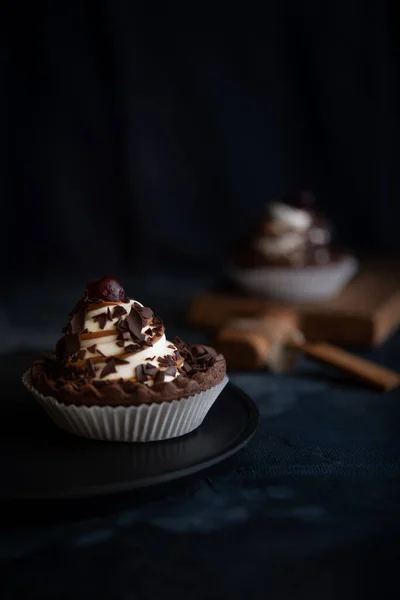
[366,313]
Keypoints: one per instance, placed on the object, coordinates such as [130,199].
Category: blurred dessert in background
[290,253]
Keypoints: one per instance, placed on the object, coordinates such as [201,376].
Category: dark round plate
[38,460]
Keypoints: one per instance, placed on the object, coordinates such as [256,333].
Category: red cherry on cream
[107,288]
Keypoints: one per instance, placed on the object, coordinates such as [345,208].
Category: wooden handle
[375,375]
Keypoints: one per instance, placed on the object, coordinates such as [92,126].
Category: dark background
[137,139]
[139,143]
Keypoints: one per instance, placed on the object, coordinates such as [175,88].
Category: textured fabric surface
[310,508]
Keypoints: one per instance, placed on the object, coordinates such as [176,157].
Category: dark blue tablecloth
[309,509]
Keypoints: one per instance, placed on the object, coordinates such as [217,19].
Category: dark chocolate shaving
[77,322]
[119,361]
[118,312]
[171,346]
[134,322]
[150,370]
[166,361]
[100,352]
[81,354]
[92,349]
[171,371]
[146,313]
[148,331]
[90,368]
[185,369]
[140,374]
[109,368]
[132,348]
[101,319]
[109,317]
[150,358]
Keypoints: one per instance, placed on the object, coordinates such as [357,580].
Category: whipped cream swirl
[288,233]
[108,341]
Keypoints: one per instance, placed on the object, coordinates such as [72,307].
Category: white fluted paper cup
[143,423]
[291,284]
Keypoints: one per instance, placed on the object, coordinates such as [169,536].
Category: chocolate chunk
[72,343]
[134,323]
[132,348]
[81,354]
[109,368]
[118,312]
[120,361]
[92,349]
[150,370]
[159,378]
[146,313]
[177,355]
[140,374]
[166,361]
[78,321]
[171,371]
[101,319]
[185,369]
[90,368]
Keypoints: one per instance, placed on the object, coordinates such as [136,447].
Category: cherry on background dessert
[115,376]
[289,252]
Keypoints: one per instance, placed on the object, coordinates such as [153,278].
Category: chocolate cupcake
[290,253]
[114,375]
